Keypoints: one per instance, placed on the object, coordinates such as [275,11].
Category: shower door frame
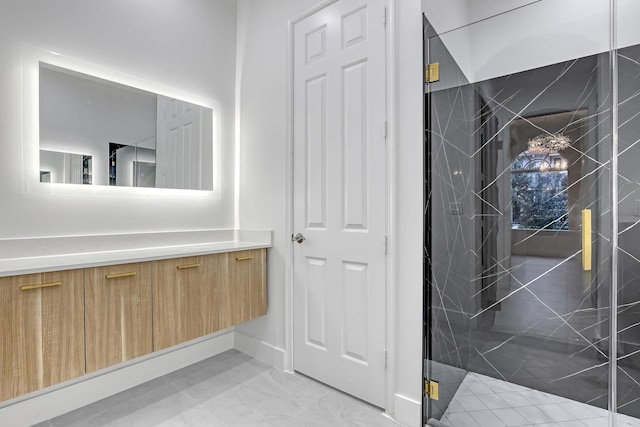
[613,268]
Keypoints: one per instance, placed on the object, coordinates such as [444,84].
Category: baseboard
[81,392]
[260,350]
[436,423]
[407,411]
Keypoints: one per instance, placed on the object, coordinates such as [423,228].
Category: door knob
[298,238]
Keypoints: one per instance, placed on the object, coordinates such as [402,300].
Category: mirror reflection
[65,168]
[130,137]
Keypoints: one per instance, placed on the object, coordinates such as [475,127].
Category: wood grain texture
[185,300]
[42,331]
[243,294]
[118,314]
[45,329]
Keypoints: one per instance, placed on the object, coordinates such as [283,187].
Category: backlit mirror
[98,132]
[65,168]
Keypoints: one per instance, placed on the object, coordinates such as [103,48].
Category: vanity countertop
[70,261]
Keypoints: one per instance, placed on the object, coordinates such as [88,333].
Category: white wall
[408,235]
[627,31]
[535,34]
[190,45]
[628,133]
[262,70]
[262,47]
[452,14]
[183,46]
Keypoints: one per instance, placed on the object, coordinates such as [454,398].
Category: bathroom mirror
[127,136]
[65,168]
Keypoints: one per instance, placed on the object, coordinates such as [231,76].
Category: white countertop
[40,264]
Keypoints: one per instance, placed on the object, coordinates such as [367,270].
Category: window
[539,197]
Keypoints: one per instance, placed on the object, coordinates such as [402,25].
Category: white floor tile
[556,412]
[514,399]
[462,419]
[464,390]
[473,377]
[510,417]
[493,401]
[534,415]
[229,390]
[479,387]
[487,418]
[535,397]
[626,421]
[595,422]
[455,406]
[580,411]
[471,403]
[498,386]
[574,423]
[500,403]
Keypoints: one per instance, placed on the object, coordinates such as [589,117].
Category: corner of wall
[407,411]
[260,350]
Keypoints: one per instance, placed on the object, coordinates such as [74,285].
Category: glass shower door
[522,224]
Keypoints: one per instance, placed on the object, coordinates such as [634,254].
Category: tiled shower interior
[484,401]
[515,166]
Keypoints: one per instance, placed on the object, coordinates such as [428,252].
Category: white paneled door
[340,197]
[178,156]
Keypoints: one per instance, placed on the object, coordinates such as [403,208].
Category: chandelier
[548,143]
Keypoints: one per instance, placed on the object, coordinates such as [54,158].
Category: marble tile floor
[482,401]
[230,389]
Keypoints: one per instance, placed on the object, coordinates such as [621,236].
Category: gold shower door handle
[586,239]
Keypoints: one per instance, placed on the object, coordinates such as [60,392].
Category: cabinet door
[118,314]
[244,292]
[42,331]
[185,299]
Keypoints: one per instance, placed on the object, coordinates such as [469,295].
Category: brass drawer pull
[185,266]
[120,275]
[43,285]
[243,258]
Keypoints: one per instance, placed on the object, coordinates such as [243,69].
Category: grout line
[552,402]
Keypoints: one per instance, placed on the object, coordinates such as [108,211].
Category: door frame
[390,177]
[425,409]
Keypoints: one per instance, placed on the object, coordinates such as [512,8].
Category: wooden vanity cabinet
[62,324]
[185,298]
[118,313]
[42,331]
[243,294]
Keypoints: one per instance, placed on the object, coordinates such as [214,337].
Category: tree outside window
[539,194]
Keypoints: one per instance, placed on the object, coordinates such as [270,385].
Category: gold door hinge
[431,389]
[432,73]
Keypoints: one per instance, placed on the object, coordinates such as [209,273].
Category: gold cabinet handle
[120,275]
[586,239]
[243,258]
[40,286]
[185,266]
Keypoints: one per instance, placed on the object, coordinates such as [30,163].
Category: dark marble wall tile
[628,312]
[516,304]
